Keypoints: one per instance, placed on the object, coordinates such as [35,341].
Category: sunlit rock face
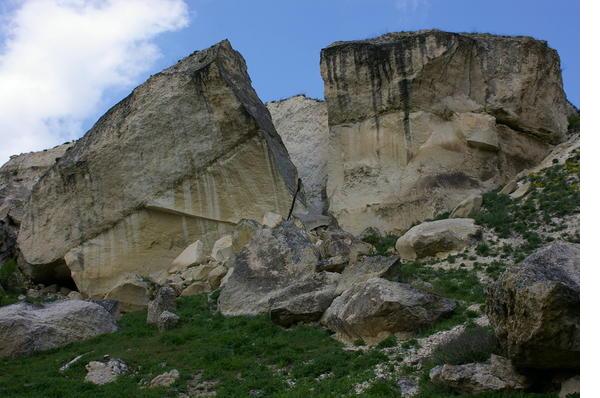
[183,158]
[419,121]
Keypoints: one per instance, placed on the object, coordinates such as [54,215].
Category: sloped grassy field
[247,356]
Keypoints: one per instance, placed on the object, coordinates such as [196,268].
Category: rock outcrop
[17,178]
[496,375]
[419,121]
[302,124]
[534,308]
[374,309]
[184,157]
[437,238]
[26,328]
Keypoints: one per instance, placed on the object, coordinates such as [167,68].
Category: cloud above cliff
[58,58]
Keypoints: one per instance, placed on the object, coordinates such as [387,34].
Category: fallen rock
[271,220]
[534,308]
[167,320]
[522,190]
[186,156]
[475,378]
[304,301]
[273,260]
[223,248]
[333,264]
[132,292]
[468,208]
[367,267]
[302,124]
[242,233]
[337,242]
[165,379]
[420,120]
[101,373]
[437,238]
[27,328]
[196,288]
[215,276]
[375,309]
[190,256]
[164,301]
[113,307]
[72,362]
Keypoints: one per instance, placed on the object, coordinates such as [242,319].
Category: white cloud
[58,57]
[409,8]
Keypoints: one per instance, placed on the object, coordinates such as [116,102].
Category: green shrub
[381,243]
[391,341]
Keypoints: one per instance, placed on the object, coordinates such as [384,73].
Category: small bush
[476,344]
[391,341]
[381,243]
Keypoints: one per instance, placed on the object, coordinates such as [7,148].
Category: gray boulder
[164,301]
[534,308]
[496,375]
[167,320]
[374,309]
[367,267]
[272,260]
[26,328]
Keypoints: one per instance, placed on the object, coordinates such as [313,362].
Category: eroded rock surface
[420,120]
[184,157]
[534,308]
[26,328]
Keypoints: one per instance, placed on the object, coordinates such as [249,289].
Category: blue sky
[63,63]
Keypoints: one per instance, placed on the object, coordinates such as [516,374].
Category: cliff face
[302,124]
[420,120]
[187,155]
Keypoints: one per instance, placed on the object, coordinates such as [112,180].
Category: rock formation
[184,157]
[17,178]
[534,308]
[419,121]
[302,124]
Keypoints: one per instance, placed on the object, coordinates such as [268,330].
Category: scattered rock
[190,256]
[273,260]
[113,307]
[242,233]
[196,288]
[386,267]
[468,208]
[333,264]
[133,293]
[167,320]
[72,362]
[337,242]
[409,387]
[223,248]
[26,328]
[164,301]
[522,190]
[437,238]
[475,378]
[272,220]
[216,276]
[534,308]
[165,379]
[101,373]
[376,308]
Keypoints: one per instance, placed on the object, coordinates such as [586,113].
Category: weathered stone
[17,178]
[302,124]
[437,238]
[199,273]
[187,155]
[242,233]
[337,242]
[192,255]
[167,320]
[196,288]
[113,307]
[521,190]
[101,373]
[476,378]
[304,301]
[271,219]
[419,120]
[26,328]
[386,267]
[215,276]
[374,309]
[165,379]
[271,261]
[468,208]
[333,264]
[222,249]
[164,301]
[534,308]
[133,292]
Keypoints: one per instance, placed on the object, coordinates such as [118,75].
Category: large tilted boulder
[496,375]
[184,157]
[272,260]
[17,178]
[367,267]
[376,308]
[420,120]
[27,328]
[534,308]
[302,124]
[437,238]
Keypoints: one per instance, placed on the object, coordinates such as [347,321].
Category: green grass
[381,243]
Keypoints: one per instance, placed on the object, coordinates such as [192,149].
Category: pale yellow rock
[185,157]
[437,238]
[133,293]
[521,190]
[223,248]
[468,208]
[192,255]
[420,120]
[271,220]
[216,276]
[199,272]
[196,288]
